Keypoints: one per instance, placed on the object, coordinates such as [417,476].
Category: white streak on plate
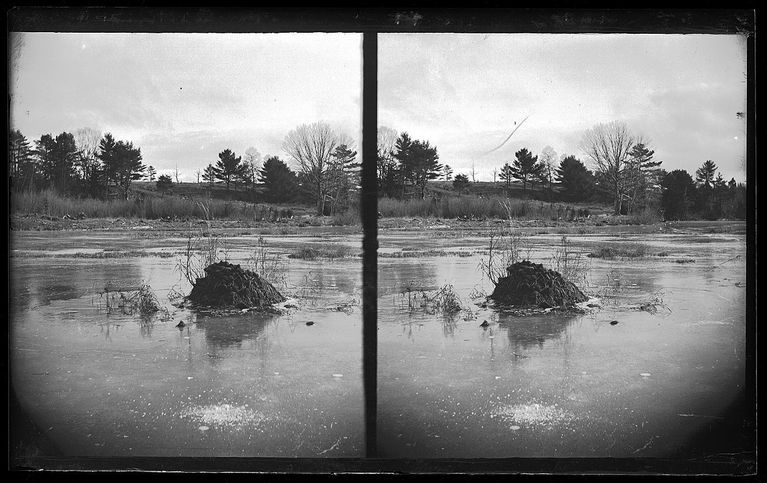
[645,374]
[203,428]
[338,375]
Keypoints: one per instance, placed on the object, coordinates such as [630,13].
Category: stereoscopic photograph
[400,242]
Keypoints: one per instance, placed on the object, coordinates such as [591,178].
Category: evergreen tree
[460,182]
[57,158]
[403,154]
[280,182]
[22,166]
[109,164]
[229,167]
[677,195]
[424,164]
[121,164]
[705,174]
[164,183]
[526,167]
[209,175]
[129,165]
[576,180]
[705,179]
[19,152]
[448,172]
[343,176]
[641,181]
[507,174]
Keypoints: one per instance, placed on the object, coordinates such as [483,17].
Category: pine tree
[705,174]
[526,167]
[164,183]
[448,172]
[677,196]
[228,168]
[460,182]
[22,167]
[507,174]
[280,182]
[576,180]
[129,165]
[209,175]
[425,164]
[343,175]
[108,156]
[641,177]
[403,154]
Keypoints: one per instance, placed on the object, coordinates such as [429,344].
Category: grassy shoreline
[311,223]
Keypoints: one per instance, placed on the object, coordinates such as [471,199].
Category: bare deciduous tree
[311,146]
[386,164]
[387,138]
[87,143]
[548,158]
[608,145]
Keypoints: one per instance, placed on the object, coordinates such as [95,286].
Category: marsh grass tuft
[201,251]
[268,264]
[571,264]
[329,251]
[131,301]
[619,250]
[612,288]
[505,248]
[656,302]
[444,301]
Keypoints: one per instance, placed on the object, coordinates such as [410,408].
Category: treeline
[84,163]
[327,172]
[626,175]
[625,172]
[87,164]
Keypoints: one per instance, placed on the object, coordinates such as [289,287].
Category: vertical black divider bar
[369,214]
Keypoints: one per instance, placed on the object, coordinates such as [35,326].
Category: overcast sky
[183,98]
[464,92]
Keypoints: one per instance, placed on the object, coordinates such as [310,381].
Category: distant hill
[488,189]
[195,190]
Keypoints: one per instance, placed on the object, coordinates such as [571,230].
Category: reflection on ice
[225,416]
[223,332]
[534,415]
[526,332]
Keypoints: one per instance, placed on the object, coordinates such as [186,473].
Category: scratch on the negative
[335,445]
[647,445]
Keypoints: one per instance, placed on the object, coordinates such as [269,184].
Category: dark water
[118,385]
[554,385]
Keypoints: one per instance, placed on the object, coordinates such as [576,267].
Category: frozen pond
[614,382]
[246,385]
[554,385]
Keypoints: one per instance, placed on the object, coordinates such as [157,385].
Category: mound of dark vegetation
[528,284]
[228,286]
